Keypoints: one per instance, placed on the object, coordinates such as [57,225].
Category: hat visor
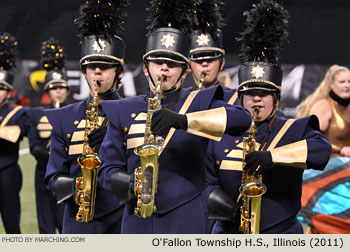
[56,84]
[205,55]
[100,59]
[166,55]
[5,86]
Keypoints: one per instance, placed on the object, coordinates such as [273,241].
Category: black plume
[8,46]
[208,17]
[52,55]
[175,13]
[102,18]
[266,29]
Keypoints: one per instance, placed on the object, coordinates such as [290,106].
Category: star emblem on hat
[168,40]
[257,72]
[202,40]
[100,46]
[56,76]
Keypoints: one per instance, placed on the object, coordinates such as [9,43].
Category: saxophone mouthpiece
[203,74]
[163,77]
[98,83]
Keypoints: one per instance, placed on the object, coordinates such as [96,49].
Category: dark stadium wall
[318,37]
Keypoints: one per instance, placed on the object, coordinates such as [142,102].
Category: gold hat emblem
[203,40]
[2,76]
[56,76]
[257,72]
[100,46]
[168,40]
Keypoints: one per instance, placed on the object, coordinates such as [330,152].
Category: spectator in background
[326,205]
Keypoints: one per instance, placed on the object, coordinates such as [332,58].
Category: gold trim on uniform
[44,134]
[78,136]
[44,119]
[44,126]
[10,133]
[137,128]
[231,165]
[208,123]
[182,111]
[140,117]
[233,98]
[281,133]
[134,142]
[235,153]
[75,149]
[294,154]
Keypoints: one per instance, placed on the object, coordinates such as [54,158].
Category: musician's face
[58,94]
[211,69]
[4,95]
[104,73]
[260,99]
[170,69]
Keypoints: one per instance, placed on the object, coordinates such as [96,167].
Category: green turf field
[28,214]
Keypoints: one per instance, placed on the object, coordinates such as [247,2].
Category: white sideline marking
[23,151]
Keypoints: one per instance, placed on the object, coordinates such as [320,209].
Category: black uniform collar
[341,101]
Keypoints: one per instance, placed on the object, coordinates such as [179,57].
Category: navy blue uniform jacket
[181,164]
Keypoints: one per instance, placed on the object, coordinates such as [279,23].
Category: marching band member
[285,147]
[101,62]
[194,118]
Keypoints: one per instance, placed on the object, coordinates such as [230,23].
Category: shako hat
[206,38]
[52,59]
[168,30]
[100,23]
[261,42]
[8,48]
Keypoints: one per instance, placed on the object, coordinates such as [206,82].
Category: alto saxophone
[251,188]
[201,80]
[146,176]
[89,162]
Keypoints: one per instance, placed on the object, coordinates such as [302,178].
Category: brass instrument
[201,79]
[89,162]
[146,176]
[57,103]
[251,188]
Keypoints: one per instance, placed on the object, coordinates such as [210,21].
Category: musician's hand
[96,137]
[255,158]
[164,119]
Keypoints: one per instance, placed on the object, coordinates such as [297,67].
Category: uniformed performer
[100,23]
[207,56]
[185,121]
[49,213]
[284,147]
[13,126]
